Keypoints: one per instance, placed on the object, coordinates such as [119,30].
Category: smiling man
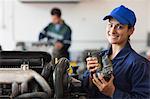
[131,72]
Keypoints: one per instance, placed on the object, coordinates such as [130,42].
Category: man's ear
[131,30]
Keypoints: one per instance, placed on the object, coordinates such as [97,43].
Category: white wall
[85,19]
[6,24]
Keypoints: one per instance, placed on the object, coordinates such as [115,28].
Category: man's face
[55,19]
[117,33]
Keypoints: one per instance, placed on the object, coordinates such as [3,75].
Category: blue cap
[123,15]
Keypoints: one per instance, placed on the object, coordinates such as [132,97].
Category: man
[131,72]
[58,34]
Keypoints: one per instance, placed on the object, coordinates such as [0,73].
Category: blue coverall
[131,76]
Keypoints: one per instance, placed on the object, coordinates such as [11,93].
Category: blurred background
[21,21]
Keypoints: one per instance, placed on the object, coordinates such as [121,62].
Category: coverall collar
[123,52]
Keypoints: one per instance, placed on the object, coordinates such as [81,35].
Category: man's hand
[107,88]
[92,64]
[58,45]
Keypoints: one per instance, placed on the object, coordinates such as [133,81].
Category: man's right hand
[92,64]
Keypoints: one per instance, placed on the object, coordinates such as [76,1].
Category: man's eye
[119,27]
[110,25]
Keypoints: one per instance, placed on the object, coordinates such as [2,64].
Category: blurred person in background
[57,33]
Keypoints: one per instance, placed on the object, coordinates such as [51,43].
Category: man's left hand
[58,45]
[107,88]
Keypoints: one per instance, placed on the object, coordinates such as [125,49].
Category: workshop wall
[7,24]
[26,20]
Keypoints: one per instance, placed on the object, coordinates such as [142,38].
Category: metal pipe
[21,76]
[40,95]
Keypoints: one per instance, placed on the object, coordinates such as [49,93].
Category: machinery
[32,75]
[20,75]
[29,75]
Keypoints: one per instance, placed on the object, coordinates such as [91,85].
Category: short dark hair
[56,11]
[129,27]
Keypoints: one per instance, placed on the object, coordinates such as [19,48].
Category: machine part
[61,78]
[107,68]
[16,78]
[23,77]
[105,65]
[47,74]
[56,60]
[35,95]
[75,82]
[5,90]
[72,71]
[24,87]
[14,59]
[47,71]
[15,89]
[24,66]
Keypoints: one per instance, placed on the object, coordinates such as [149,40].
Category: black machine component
[5,90]
[61,78]
[66,86]
[105,65]
[13,59]
[106,69]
